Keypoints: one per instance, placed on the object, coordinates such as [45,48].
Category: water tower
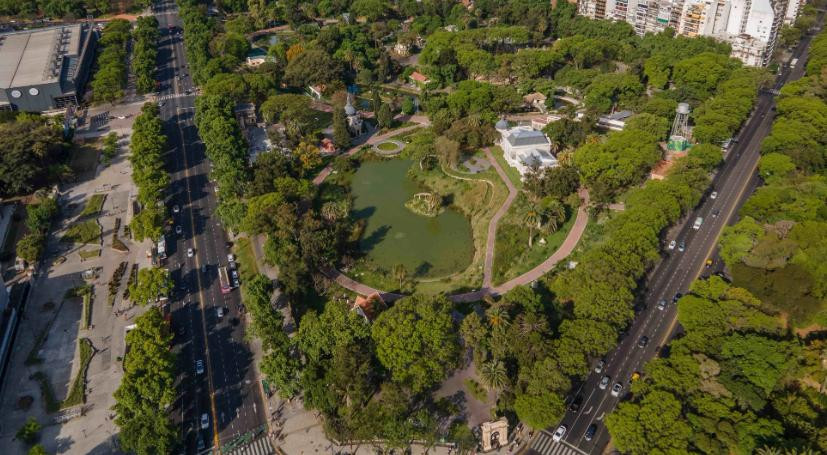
[679,137]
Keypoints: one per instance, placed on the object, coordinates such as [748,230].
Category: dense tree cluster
[227,150]
[147,388]
[717,118]
[147,145]
[776,247]
[109,80]
[621,160]
[33,150]
[735,382]
[39,218]
[152,284]
[68,9]
[145,53]
[278,363]
[367,380]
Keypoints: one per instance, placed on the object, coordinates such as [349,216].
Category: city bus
[224,280]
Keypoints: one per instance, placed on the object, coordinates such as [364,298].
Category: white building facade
[524,147]
[750,26]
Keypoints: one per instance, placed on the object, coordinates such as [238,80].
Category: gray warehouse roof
[33,57]
[522,137]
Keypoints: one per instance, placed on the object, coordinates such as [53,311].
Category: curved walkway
[488,265]
[375,139]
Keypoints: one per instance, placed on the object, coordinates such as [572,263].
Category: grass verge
[246,259]
[89,254]
[476,390]
[77,392]
[512,173]
[86,319]
[46,391]
[93,206]
[84,232]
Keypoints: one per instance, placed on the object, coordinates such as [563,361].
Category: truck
[224,280]
[162,247]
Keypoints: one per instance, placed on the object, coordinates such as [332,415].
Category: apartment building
[750,26]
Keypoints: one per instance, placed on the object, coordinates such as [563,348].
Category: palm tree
[493,374]
[497,317]
[400,273]
[532,322]
[531,219]
[555,213]
[767,450]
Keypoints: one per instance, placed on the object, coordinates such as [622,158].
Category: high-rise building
[750,26]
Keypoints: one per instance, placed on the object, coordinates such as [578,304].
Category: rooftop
[522,136]
[33,57]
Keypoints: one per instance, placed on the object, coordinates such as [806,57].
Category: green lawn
[511,172]
[77,392]
[387,146]
[321,120]
[84,232]
[512,256]
[93,206]
[89,254]
[245,259]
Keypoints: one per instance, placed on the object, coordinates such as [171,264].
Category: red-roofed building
[419,78]
[369,307]
[327,147]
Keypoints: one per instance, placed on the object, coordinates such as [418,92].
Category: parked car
[715,213]
[230,257]
[682,246]
[714,195]
[175,208]
[677,297]
[178,230]
[219,312]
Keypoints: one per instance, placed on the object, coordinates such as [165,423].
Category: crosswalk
[260,446]
[172,95]
[544,445]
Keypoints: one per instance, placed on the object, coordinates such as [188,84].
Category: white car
[199,367]
[205,421]
[616,389]
[190,252]
[672,244]
[714,195]
[559,433]
[219,312]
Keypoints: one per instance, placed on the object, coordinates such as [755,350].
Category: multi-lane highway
[227,390]
[673,275]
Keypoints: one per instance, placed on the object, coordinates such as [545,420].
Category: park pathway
[488,265]
[565,249]
[375,139]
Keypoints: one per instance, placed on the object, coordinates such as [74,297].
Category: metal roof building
[45,69]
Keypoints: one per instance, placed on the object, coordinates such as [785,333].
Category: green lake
[426,246]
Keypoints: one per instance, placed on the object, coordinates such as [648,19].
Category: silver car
[604,382]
